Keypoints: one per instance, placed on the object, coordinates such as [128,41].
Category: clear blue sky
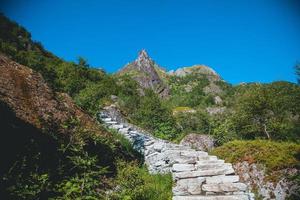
[243,40]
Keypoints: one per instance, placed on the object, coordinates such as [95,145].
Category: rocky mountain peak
[144,71]
[143,61]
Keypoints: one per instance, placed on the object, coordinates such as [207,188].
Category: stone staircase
[196,175]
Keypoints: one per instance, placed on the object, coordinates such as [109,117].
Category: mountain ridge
[150,75]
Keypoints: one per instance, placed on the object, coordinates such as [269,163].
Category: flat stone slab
[183,167]
[222,179]
[224,197]
[111,122]
[224,187]
[198,173]
[106,119]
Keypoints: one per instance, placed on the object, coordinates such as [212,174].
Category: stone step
[224,187]
[191,186]
[150,142]
[203,166]
[111,122]
[193,153]
[224,197]
[124,130]
[209,172]
[108,119]
[117,126]
[185,160]
[200,158]
[222,179]
[183,167]
[201,162]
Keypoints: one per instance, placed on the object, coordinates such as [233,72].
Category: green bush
[135,183]
[273,155]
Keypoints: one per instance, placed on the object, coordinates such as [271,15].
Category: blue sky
[243,40]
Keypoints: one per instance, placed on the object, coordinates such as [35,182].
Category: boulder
[198,142]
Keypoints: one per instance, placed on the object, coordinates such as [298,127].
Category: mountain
[146,72]
[196,70]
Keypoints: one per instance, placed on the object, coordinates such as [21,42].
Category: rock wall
[254,176]
[196,175]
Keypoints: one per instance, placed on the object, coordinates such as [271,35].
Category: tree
[155,117]
[268,110]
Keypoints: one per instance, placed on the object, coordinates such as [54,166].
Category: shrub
[135,183]
[273,155]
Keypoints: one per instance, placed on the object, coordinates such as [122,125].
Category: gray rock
[198,173]
[224,187]
[220,197]
[198,142]
[222,179]
[191,186]
[183,167]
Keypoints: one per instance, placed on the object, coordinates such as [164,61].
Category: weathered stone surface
[222,179]
[183,167]
[198,197]
[224,187]
[117,126]
[146,74]
[199,173]
[191,186]
[198,142]
[193,153]
[107,119]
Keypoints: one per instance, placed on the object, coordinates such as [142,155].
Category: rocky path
[196,175]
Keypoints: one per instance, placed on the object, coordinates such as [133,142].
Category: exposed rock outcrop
[196,175]
[256,179]
[196,69]
[145,71]
[198,141]
[26,93]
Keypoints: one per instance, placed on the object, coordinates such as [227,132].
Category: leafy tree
[268,111]
[155,117]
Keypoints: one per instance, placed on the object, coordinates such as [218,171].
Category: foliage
[274,155]
[193,122]
[188,91]
[135,183]
[268,111]
[155,117]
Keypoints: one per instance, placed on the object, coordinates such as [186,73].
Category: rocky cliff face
[145,71]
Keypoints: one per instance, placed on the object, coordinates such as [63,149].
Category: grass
[135,183]
[273,155]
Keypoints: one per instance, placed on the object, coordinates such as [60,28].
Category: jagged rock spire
[143,60]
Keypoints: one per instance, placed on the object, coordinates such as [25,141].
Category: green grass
[273,155]
[135,183]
